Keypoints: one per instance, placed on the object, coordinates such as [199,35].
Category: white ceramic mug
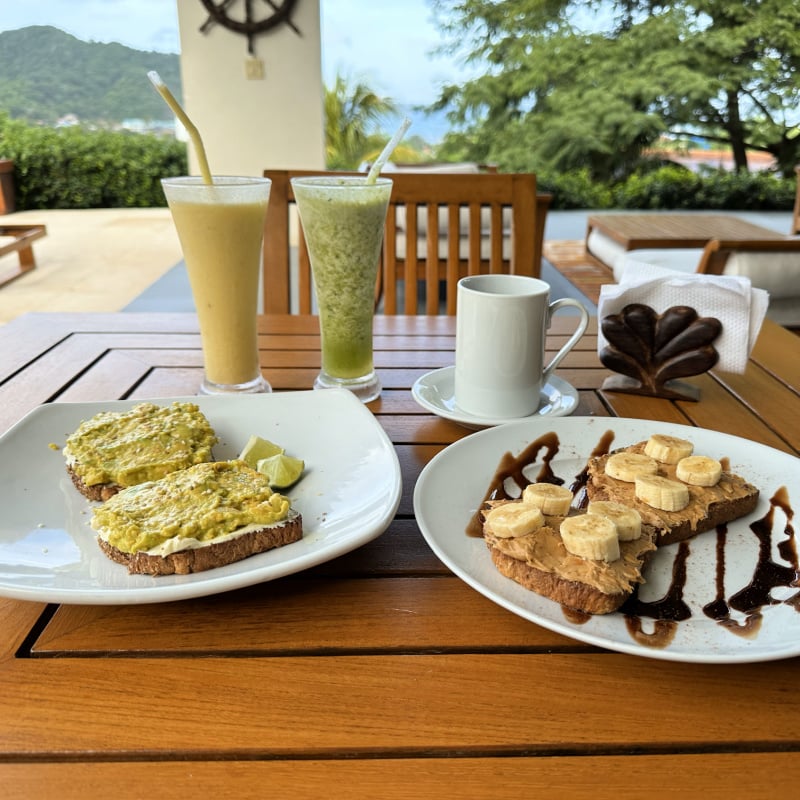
[501,323]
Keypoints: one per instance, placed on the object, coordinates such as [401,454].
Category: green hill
[46,74]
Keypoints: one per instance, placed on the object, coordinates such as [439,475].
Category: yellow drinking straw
[387,151]
[194,134]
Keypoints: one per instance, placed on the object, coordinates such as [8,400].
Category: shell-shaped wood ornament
[651,351]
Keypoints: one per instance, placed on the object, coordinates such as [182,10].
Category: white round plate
[348,496]
[435,392]
[452,485]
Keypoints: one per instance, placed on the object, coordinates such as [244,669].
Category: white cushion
[464,167]
[676,258]
[605,249]
[442,213]
[778,273]
[463,247]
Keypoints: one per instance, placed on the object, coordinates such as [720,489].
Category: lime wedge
[258,449]
[281,470]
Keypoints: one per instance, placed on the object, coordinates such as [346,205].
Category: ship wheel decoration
[260,16]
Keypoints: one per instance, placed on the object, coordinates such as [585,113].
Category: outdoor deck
[114,259]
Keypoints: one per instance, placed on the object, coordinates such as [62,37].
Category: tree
[350,111]
[593,84]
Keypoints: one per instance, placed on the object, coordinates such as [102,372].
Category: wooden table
[660,230]
[379,674]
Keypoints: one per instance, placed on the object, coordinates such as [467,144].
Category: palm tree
[349,112]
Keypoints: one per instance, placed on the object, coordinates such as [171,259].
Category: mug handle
[573,340]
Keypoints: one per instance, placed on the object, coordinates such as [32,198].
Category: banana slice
[510,520]
[590,536]
[660,492]
[627,519]
[551,500]
[699,470]
[628,466]
[667,449]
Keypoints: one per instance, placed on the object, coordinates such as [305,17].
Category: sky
[360,38]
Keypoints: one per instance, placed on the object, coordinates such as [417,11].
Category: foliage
[351,108]
[571,84]
[672,187]
[46,74]
[76,168]
[669,187]
[575,189]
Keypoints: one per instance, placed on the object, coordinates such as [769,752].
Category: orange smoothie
[220,228]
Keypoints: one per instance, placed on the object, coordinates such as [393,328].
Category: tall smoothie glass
[343,220]
[221,228]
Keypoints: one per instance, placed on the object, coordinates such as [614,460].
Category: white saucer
[436,392]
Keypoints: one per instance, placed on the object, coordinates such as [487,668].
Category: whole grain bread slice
[572,594]
[540,562]
[210,556]
[99,492]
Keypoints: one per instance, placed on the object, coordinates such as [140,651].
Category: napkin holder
[652,351]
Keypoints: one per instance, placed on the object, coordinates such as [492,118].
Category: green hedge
[77,168]
[674,187]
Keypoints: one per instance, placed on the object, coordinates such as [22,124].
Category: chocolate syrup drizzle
[512,476]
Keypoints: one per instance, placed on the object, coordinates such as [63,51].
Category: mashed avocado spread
[142,444]
[203,502]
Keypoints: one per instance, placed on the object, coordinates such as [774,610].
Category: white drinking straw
[387,151]
[194,134]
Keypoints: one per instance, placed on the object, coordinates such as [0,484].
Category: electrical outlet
[254,69]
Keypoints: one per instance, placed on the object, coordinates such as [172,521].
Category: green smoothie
[343,221]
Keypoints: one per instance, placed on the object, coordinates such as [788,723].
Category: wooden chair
[717,253]
[22,239]
[796,215]
[459,224]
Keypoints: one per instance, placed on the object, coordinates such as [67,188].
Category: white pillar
[252,123]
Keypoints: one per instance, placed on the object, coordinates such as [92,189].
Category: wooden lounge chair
[770,264]
[459,224]
[589,266]
[23,237]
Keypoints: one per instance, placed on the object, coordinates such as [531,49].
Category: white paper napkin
[731,299]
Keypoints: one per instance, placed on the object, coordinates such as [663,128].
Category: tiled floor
[91,260]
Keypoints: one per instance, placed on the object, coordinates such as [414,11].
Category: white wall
[249,125]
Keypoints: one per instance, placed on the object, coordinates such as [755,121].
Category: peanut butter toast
[590,562]
[678,493]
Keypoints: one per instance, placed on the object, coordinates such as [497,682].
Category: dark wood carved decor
[651,351]
[267,16]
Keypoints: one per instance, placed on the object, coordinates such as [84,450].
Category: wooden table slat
[414,615]
[593,777]
[374,704]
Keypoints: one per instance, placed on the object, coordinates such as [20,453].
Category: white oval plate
[435,392]
[347,497]
[452,485]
